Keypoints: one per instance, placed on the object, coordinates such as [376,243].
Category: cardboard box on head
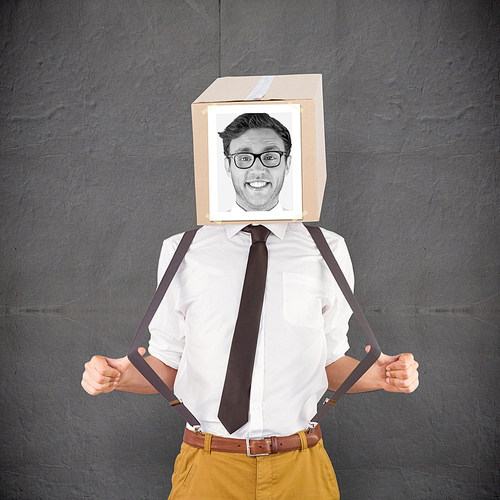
[259,149]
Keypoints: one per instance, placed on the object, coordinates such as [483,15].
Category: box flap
[283,87]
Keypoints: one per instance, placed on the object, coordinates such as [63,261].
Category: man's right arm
[104,375]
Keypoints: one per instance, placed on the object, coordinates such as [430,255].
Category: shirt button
[256,408]
[258,366]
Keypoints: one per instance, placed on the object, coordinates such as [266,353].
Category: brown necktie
[233,409]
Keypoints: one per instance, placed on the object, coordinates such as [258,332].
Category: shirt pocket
[302,300]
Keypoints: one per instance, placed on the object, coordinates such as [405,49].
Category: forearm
[133,381]
[338,371]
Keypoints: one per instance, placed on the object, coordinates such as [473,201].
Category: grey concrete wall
[96,170]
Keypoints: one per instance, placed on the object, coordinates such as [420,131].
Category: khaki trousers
[210,475]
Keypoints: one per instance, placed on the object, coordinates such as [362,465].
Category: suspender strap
[375,351]
[133,354]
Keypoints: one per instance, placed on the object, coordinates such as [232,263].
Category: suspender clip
[311,427]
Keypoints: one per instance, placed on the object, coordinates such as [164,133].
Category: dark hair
[247,121]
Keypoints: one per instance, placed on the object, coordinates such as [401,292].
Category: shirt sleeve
[166,328]
[336,317]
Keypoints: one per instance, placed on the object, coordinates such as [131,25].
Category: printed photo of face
[254,162]
[257,165]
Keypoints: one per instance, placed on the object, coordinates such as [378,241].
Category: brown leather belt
[253,447]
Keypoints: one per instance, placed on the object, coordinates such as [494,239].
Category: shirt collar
[277,228]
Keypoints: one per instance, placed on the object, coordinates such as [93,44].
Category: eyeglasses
[269,159]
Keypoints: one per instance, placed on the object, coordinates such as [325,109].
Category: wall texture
[96,170]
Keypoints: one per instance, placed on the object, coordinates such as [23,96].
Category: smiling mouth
[258,184]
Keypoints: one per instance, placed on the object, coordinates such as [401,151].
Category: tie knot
[259,233]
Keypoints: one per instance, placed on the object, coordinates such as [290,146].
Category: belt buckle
[249,451]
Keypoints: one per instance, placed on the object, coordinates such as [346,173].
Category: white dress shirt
[303,326]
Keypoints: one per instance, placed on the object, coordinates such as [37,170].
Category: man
[300,352]
[257,159]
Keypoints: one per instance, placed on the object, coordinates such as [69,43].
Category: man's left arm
[390,373]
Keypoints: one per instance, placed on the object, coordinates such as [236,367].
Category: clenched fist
[103,374]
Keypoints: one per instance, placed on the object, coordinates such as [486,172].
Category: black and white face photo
[255,173]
